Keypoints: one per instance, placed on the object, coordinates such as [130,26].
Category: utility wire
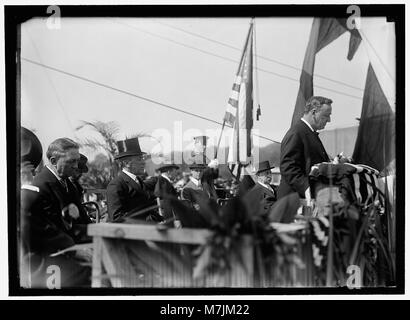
[60,103]
[229,59]
[131,94]
[259,56]
[378,57]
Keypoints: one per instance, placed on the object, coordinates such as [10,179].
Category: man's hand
[71,210]
[340,158]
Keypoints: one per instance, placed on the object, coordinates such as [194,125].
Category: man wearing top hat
[128,193]
[262,196]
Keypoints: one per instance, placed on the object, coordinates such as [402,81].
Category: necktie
[64,184]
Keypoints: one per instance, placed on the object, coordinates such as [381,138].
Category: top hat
[82,163]
[264,166]
[128,148]
[31,149]
[166,167]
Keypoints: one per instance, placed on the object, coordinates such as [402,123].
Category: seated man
[201,184]
[165,189]
[262,196]
[193,190]
[78,190]
[128,193]
[48,210]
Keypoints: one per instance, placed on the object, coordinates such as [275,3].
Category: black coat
[125,195]
[259,200]
[194,193]
[39,233]
[77,191]
[48,230]
[301,148]
[165,190]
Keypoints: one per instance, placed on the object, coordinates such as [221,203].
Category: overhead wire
[59,101]
[259,56]
[228,59]
[130,94]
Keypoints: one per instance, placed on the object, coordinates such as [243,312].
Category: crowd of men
[53,217]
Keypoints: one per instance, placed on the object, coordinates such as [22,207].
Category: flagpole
[219,140]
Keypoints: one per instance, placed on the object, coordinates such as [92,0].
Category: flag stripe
[241,102]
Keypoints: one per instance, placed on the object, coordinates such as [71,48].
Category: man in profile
[128,193]
[50,215]
[164,188]
[262,196]
[301,148]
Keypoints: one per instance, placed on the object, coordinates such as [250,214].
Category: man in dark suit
[194,190]
[301,148]
[128,193]
[164,188]
[78,190]
[50,209]
[262,196]
[57,200]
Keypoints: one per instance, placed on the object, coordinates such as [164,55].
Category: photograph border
[15,15]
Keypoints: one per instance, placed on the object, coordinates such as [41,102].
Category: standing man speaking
[301,148]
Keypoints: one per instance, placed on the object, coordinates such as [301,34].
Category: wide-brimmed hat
[167,166]
[31,149]
[128,148]
[263,166]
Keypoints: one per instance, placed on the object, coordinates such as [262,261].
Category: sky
[172,61]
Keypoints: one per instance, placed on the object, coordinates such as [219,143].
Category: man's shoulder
[191,185]
[43,179]
[118,180]
[258,188]
[299,126]
[296,130]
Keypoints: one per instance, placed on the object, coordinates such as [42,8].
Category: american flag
[239,109]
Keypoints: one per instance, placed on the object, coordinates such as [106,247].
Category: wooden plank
[116,262]
[149,233]
[97,263]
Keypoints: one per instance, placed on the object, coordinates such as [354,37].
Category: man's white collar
[308,124]
[166,177]
[195,181]
[265,186]
[131,175]
[52,171]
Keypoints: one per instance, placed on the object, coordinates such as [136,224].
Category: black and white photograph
[212,150]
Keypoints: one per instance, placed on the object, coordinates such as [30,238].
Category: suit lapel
[132,183]
[265,190]
[322,147]
[57,189]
